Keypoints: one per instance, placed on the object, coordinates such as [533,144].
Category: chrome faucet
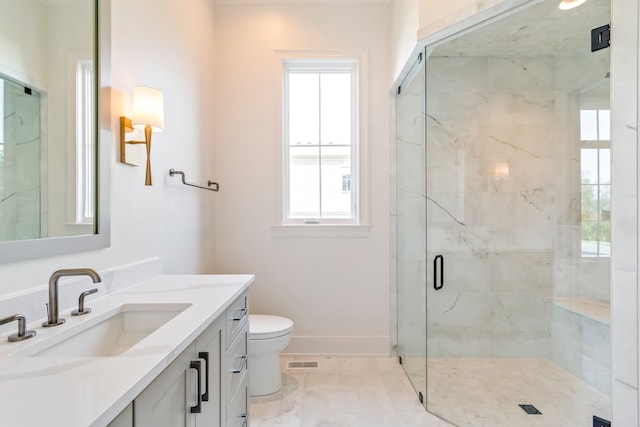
[52,307]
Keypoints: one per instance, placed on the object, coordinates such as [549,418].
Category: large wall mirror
[55,127]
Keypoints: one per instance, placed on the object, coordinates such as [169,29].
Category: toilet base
[264,374]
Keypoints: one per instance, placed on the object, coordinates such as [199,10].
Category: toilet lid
[262,326]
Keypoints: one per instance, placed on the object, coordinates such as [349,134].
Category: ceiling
[539,30]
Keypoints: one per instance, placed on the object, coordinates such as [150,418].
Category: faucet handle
[81,309]
[22,334]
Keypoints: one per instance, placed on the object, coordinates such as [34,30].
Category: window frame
[320,66]
[358,226]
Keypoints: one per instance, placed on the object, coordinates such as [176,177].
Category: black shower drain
[530,409]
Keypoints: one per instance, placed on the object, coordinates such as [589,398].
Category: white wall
[163,44]
[18,36]
[404,31]
[336,290]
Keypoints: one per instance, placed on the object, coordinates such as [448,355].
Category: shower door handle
[438,279]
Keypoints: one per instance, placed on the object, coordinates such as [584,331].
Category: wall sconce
[148,114]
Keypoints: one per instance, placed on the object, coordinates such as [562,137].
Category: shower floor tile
[487,392]
[374,392]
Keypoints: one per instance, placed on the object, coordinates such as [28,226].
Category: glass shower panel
[517,255]
[410,217]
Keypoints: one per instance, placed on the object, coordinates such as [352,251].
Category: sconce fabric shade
[148,108]
[570,4]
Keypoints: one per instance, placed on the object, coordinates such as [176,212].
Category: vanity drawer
[238,415]
[237,363]
[237,316]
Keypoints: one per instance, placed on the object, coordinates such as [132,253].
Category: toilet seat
[262,326]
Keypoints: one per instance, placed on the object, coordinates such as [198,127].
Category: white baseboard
[336,346]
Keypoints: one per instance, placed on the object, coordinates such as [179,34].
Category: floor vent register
[310,364]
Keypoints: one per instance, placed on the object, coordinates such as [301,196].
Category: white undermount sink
[109,334]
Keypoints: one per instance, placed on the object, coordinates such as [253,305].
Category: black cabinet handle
[438,261]
[243,312]
[205,355]
[197,365]
[244,358]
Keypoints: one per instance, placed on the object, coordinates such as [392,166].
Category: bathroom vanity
[169,351]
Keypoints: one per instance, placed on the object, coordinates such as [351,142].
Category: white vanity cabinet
[177,398]
[219,354]
[237,360]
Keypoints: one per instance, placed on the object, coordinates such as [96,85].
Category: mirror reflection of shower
[19,162]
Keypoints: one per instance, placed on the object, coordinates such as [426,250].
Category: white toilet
[268,336]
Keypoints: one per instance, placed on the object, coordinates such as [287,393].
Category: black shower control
[600,422]
[600,38]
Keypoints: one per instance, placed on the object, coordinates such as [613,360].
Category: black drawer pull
[243,312]
[205,356]
[197,365]
[244,363]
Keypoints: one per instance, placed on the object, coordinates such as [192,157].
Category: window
[346,183]
[85,150]
[320,133]
[595,179]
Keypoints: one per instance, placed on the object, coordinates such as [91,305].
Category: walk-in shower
[503,220]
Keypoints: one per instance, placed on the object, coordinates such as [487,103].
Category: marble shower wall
[503,201]
[20,165]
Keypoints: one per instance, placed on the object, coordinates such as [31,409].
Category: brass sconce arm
[127,127]
[147,114]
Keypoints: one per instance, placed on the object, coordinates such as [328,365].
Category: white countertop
[91,391]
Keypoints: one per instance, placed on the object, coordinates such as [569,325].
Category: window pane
[605,238]
[589,125]
[604,125]
[605,165]
[589,165]
[336,162]
[589,203]
[304,182]
[589,238]
[335,90]
[304,108]
[605,203]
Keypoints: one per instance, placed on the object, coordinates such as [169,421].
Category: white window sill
[320,230]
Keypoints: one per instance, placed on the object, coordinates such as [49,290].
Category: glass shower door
[410,217]
[517,220]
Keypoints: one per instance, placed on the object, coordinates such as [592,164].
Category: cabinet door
[209,348]
[166,401]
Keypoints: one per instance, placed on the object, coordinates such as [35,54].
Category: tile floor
[343,392]
[374,392]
